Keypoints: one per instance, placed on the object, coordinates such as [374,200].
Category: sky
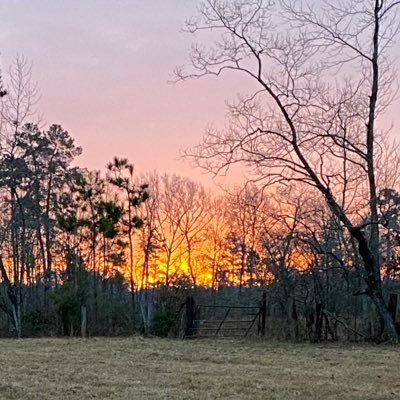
[104,70]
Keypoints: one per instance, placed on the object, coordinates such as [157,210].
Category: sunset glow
[155,155]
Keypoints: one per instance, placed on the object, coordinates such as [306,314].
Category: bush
[163,320]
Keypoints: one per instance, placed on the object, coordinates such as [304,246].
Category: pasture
[136,368]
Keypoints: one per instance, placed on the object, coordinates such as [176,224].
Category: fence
[212,320]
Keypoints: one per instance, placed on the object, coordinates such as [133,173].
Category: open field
[136,368]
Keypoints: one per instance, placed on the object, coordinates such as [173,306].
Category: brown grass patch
[135,368]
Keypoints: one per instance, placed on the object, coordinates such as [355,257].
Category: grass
[136,368]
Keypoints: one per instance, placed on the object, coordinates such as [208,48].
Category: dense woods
[111,252]
[317,226]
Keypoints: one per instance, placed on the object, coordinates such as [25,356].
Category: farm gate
[216,320]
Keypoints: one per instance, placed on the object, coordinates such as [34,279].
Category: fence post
[190,316]
[263,312]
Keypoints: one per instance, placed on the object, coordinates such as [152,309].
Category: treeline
[104,253]
[112,252]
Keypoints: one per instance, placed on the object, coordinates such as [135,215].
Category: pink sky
[103,69]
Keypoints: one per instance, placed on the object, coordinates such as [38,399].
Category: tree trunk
[389,332]
[374,287]
[16,312]
[132,287]
[83,320]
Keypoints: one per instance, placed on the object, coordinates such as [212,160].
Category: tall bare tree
[247,218]
[301,124]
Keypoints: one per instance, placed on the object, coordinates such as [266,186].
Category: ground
[136,368]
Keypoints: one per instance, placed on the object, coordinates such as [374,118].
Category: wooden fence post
[263,313]
[190,316]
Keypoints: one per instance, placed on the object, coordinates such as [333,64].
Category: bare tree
[148,245]
[247,218]
[301,124]
[17,100]
[214,245]
[18,106]
[195,207]
[169,219]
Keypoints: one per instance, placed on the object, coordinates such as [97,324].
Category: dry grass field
[135,368]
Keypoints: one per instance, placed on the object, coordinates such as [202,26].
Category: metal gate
[211,320]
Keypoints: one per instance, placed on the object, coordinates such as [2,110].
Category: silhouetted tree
[298,126]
